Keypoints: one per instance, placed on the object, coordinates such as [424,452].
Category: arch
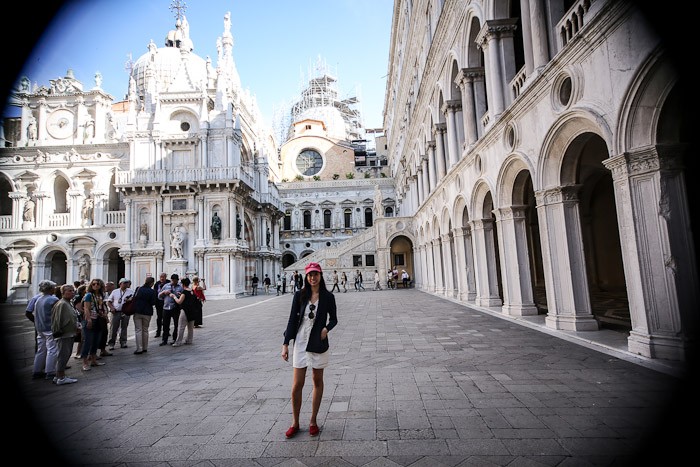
[455,90]
[509,180]
[459,207]
[551,170]
[481,190]
[642,106]
[288,258]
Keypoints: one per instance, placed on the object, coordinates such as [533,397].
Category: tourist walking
[377,285]
[254,284]
[267,283]
[335,282]
[344,281]
[312,316]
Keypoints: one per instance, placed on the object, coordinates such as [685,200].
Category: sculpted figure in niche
[267,237]
[238,226]
[86,212]
[144,230]
[31,129]
[176,243]
[28,213]
[23,271]
[83,269]
[216,227]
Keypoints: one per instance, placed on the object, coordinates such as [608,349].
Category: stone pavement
[414,380]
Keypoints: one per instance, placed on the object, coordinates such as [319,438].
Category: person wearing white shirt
[120,321]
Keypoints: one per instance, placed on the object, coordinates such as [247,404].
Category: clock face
[60,124]
[309,162]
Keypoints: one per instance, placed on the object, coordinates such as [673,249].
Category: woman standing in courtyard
[312,316]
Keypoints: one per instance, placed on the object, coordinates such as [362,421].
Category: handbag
[129,306]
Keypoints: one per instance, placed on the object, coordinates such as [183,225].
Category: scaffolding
[319,91]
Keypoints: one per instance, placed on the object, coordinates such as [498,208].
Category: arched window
[347,218]
[307,219]
[60,187]
[327,219]
[368,217]
[287,220]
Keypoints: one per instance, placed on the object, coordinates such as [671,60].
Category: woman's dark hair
[185,282]
[306,289]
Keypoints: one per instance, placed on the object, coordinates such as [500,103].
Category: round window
[309,162]
[184,126]
[565,92]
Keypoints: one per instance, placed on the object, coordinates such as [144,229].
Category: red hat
[313,267]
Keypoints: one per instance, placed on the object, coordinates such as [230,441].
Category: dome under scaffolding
[319,99]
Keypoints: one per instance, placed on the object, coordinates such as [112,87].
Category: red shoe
[313,430]
[293,430]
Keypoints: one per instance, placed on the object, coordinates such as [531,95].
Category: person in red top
[198,288]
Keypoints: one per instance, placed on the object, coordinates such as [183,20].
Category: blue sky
[276,43]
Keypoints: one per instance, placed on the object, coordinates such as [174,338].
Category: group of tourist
[91,315]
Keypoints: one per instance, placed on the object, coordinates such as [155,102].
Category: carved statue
[28,213]
[216,227]
[23,271]
[238,226]
[176,243]
[83,269]
[267,237]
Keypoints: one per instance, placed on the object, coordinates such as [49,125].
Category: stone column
[419,185]
[200,221]
[438,266]
[129,222]
[41,218]
[159,222]
[439,132]
[460,260]
[496,38]
[658,252]
[518,298]
[465,81]
[485,263]
[432,166]
[426,180]
[98,217]
[448,255]
[538,20]
[449,109]
[568,297]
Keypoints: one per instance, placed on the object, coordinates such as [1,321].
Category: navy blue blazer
[326,316]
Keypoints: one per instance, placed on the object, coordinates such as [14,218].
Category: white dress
[300,357]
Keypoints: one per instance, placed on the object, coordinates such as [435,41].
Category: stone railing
[517,83]
[60,220]
[6,222]
[575,19]
[115,218]
[189,175]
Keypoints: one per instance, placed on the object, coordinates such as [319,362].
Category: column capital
[466,75]
[495,28]
[560,194]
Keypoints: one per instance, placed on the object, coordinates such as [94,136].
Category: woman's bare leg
[317,394]
[297,388]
